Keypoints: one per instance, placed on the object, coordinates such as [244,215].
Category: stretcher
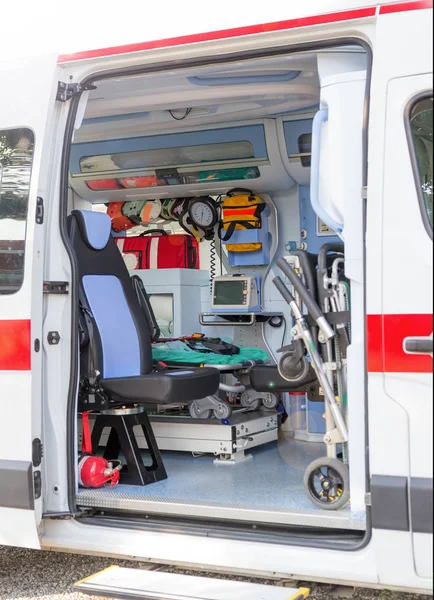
[235,388]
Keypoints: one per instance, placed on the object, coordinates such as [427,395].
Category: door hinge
[55,287]
[37,452]
[53,338]
[66,91]
[39,218]
[368,499]
[364,193]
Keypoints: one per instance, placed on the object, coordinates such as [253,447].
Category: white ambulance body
[369,67]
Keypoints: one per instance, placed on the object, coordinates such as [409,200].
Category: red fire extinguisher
[95,471]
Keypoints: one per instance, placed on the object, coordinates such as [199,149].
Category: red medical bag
[159,251]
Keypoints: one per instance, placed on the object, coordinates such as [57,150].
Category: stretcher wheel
[250,402]
[327,483]
[197,412]
[270,400]
[223,411]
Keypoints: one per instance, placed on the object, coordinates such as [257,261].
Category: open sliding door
[26,100]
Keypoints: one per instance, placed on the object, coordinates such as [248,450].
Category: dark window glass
[421,125]
[305,147]
[185,155]
[16,155]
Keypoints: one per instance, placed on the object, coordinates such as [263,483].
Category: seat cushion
[264,378]
[168,387]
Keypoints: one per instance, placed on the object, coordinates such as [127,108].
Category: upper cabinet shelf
[212,155]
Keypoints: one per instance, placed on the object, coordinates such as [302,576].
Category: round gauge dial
[203,213]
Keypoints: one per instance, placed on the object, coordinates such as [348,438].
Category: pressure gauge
[203,213]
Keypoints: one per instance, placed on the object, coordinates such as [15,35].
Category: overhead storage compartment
[207,160]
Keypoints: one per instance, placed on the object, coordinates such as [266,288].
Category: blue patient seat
[116,372]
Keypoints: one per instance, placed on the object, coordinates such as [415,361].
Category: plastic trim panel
[421,499]
[390,503]
[16,489]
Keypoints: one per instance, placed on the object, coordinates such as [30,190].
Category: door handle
[418,345]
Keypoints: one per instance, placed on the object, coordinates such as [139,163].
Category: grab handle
[321,117]
[306,298]
[244,79]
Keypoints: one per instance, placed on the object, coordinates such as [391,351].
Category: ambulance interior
[159,155]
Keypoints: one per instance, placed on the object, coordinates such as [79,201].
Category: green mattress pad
[178,352]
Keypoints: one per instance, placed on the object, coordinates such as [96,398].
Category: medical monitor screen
[230,293]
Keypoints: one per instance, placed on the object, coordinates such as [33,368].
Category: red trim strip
[386,335]
[375,336]
[389,9]
[14,345]
[337,17]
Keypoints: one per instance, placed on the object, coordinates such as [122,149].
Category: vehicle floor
[270,482]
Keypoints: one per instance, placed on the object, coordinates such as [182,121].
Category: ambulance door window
[420,128]
[16,156]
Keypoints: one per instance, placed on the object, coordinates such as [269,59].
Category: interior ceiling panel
[240,91]
[170,79]
[173,99]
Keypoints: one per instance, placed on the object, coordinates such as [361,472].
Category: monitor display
[229,293]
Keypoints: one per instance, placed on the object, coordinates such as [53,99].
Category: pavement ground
[34,575]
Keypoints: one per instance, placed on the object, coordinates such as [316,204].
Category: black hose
[308,262]
[286,294]
[337,251]
[301,289]
[324,251]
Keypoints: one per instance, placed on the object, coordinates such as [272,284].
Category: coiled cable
[212,262]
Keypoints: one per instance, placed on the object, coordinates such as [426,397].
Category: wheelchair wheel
[327,483]
[293,373]
[197,412]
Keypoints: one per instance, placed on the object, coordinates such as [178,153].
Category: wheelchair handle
[306,298]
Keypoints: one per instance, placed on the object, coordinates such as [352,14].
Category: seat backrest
[121,341]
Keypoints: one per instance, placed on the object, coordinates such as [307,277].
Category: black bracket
[37,452]
[91,396]
[37,484]
[122,440]
[66,91]
[55,287]
[53,338]
[39,217]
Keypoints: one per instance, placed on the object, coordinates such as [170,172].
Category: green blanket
[178,352]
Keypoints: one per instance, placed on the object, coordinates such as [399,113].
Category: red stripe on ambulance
[324,19]
[389,9]
[15,345]
[386,335]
